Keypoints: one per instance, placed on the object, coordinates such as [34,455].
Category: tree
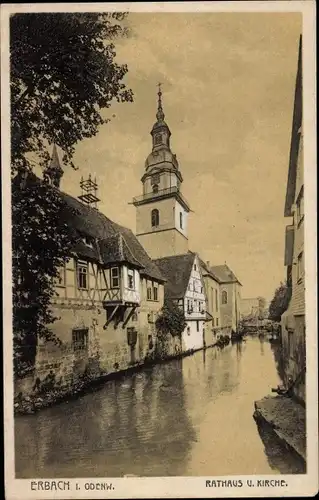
[171,320]
[63,74]
[280,302]
[37,217]
[261,307]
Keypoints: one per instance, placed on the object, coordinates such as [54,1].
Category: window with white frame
[82,275]
[149,293]
[115,277]
[130,279]
[155,291]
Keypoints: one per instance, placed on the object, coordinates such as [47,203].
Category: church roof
[224,274]
[177,270]
[208,270]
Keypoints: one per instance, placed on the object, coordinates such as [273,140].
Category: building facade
[293,320]
[212,287]
[230,298]
[162,211]
[185,286]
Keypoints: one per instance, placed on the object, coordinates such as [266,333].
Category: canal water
[188,417]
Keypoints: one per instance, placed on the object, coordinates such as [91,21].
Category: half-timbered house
[185,286]
[107,298]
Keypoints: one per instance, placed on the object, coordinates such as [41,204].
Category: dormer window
[87,241]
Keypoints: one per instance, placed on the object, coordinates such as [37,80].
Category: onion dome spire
[160,113]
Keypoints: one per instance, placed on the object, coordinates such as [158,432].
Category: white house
[185,285]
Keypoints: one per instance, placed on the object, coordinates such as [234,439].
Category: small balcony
[162,193]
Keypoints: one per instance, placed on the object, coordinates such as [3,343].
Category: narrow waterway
[187,417]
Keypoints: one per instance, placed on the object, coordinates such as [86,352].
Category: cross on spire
[160,113]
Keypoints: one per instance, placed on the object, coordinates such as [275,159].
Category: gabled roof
[117,243]
[176,269]
[206,270]
[225,274]
[114,249]
[295,138]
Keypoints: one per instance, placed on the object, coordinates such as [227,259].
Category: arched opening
[155,188]
[224,297]
[155,217]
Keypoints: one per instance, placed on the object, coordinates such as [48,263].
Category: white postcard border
[171,487]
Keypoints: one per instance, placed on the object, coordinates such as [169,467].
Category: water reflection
[186,417]
[277,455]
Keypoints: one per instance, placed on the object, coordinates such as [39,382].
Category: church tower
[162,211]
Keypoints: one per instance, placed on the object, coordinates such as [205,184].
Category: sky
[228,88]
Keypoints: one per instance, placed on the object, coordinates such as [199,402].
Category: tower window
[155,188]
[181,220]
[155,179]
[155,217]
[157,139]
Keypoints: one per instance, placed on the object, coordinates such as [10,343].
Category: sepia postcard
[159,250]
